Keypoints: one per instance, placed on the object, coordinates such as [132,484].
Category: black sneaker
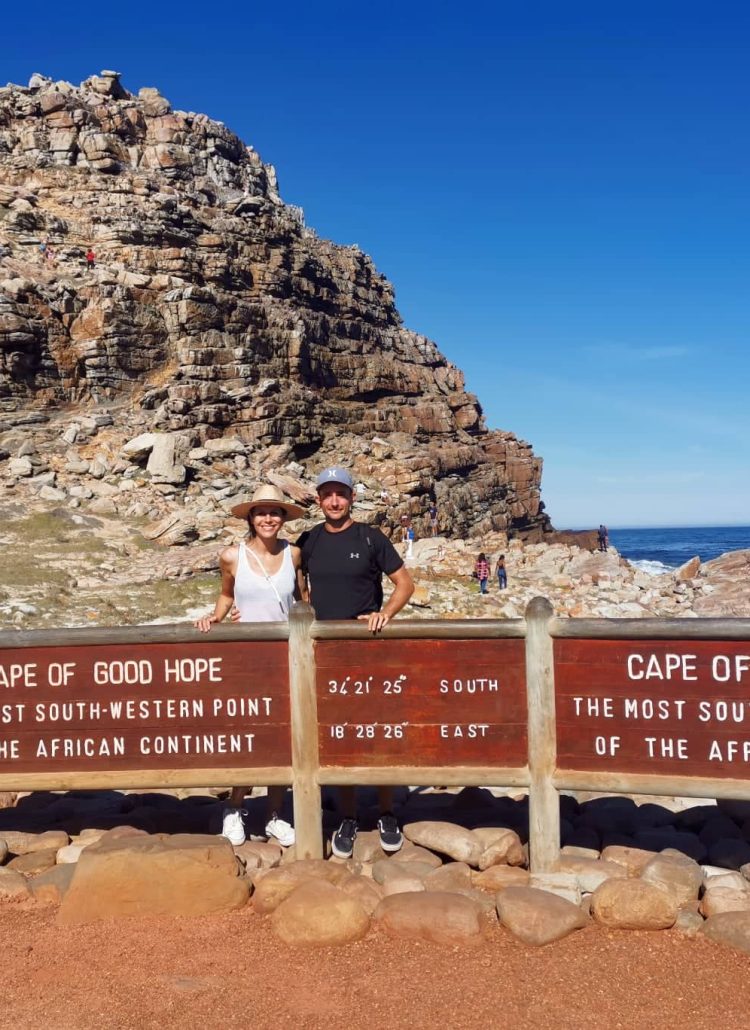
[342,841]
[391,838]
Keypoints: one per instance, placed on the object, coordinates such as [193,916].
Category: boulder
[678,874]
[724,899]
[432,916]
[186,874]
[498,877]
[633,905]
[446,838]
[273,886]
[318,914]
[505,849]
[162,463]
[634,860]
[34,862]
[367,893]
[449,877]
[589,873]
[537,917]
[21,843]
[730,928]
[50,887]
[13,885]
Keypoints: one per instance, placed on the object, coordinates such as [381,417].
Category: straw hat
[268,495]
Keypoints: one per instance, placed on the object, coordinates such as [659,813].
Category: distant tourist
[433,514]
[501,572]
[410,542]
[90,258]
[385,497]
[259,577]
[360,490]
[482,572]
[603,537]
[405,523]
[43,249]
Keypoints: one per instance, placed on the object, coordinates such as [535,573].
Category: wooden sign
[661,707]
[421,702]
[158,706]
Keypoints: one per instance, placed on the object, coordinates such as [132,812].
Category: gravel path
[230,971]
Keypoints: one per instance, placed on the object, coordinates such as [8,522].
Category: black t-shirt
[345,569]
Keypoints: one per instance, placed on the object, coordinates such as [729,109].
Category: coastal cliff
[214,325]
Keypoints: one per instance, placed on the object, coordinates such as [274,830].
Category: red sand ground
[230,971]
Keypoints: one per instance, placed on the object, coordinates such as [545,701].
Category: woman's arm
[300,586]
[228,566]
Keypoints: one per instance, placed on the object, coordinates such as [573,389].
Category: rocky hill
[214,326]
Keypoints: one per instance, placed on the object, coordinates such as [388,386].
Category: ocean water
[659,550]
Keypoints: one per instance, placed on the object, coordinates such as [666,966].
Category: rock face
[212,309]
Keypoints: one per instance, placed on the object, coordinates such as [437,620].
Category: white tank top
[262,597]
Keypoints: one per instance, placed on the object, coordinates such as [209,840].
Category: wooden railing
[649,706]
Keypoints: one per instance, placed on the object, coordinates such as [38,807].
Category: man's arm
[403,588]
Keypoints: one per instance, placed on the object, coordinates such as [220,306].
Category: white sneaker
[233,827]
[280,830]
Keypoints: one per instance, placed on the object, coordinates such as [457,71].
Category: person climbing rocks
[90,258]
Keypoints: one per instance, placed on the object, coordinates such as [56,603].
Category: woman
[482,572]
[501,572]
[261,577]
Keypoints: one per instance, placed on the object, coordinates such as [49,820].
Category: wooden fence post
[544,802]
[304,719]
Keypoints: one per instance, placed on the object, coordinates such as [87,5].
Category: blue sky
[559,193]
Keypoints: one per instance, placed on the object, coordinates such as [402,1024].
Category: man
[344,561]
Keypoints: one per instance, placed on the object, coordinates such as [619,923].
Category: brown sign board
[149,706]
[653,706]
[421,702]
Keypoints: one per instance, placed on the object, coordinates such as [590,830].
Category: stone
[446,838]
[498,877]
[413,853]
[634,860]
[13,885]
[589,873]
[277,884]
[537,917]
[676,873]
[724,899]
[21,843]
[729,928]
[562,884]
[34,862]
[51,886]
[162,464]
[317,914]
[185,874]
[402,883]
[3,851]
[633,905]
[688,923]
[140,447]
[505,849]
[451,876]
[435,916]
[367,847]
[368,893]
[259,854]
[388,869]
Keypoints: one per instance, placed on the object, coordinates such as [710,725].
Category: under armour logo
[353,555]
